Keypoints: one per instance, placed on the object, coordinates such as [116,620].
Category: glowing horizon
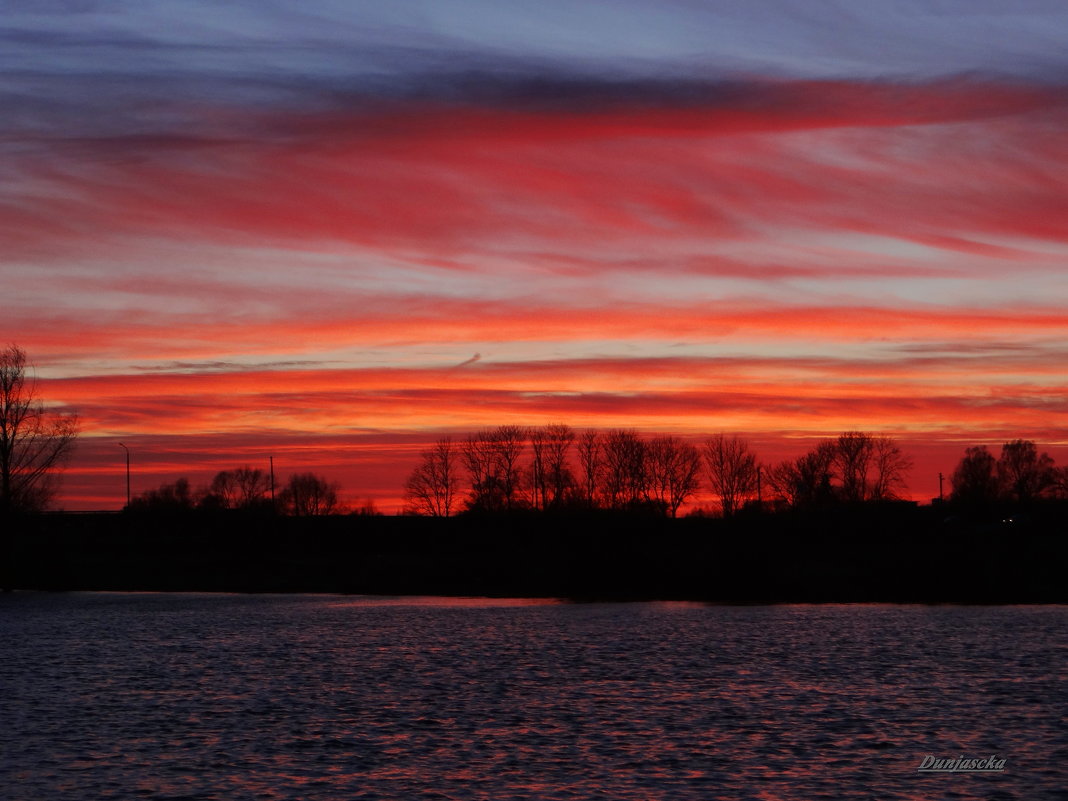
[335,234]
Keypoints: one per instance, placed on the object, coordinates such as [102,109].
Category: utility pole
[272,480]
[127,472]
[939,486]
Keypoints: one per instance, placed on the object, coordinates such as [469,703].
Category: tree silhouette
[854,452]
[805,481]
[492,458]
[550,476]
[855,467]
[891,466]
[1023,474]
[618,469]
[309,495]
[1059,487]
[240,488]
[433,485]
[975,479]
[674,469]
[34,445]
[732,470]
[625,477]
[869,467]
[169,498]
[591,466]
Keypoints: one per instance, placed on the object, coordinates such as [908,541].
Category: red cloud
[395,322]
[893,160]
[769,190]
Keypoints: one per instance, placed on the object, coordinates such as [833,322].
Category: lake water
[106,696]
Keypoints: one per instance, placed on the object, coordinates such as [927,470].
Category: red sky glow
[218,260]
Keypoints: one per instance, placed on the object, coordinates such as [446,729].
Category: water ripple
[117,696]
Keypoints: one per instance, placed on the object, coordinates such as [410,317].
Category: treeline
[245,489]
[555,467]
[1019,476]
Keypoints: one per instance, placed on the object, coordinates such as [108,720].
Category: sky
[331,232]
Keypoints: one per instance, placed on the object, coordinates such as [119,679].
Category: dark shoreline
[868,555]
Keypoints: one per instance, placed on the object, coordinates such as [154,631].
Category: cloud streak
[283,224]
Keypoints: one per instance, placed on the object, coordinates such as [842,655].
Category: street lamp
[127,472]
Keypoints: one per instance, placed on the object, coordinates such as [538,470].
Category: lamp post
[127,472]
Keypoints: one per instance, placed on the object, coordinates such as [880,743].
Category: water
[107,696]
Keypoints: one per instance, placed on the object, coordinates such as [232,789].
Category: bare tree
[240,488]
[674,469]
[870,467]
[625,477]
[891,467]
[782,481]
[368,509]
[478,458]
[1023,474]
[975,479]
[1059,487]
[806,480]
[34,445]
[550,474]
[309,495]
[432,487]
[170,498]
[492,458]
[854,467]
[853,453]
[509,444]
[222,493]
[732,470]
[591,465]
[538,490]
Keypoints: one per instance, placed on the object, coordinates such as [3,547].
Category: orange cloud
[319,282]
[686,395]
[391,322]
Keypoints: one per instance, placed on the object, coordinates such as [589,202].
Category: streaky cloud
[292,222]
[222,366]
[466,362]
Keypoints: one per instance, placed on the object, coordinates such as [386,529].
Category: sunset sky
[330,232]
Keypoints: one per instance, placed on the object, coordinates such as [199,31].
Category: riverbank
[890,555]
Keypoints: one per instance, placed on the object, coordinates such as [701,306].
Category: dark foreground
[900,554]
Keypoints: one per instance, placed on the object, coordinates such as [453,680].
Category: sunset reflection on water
[443,602]
[324,697]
